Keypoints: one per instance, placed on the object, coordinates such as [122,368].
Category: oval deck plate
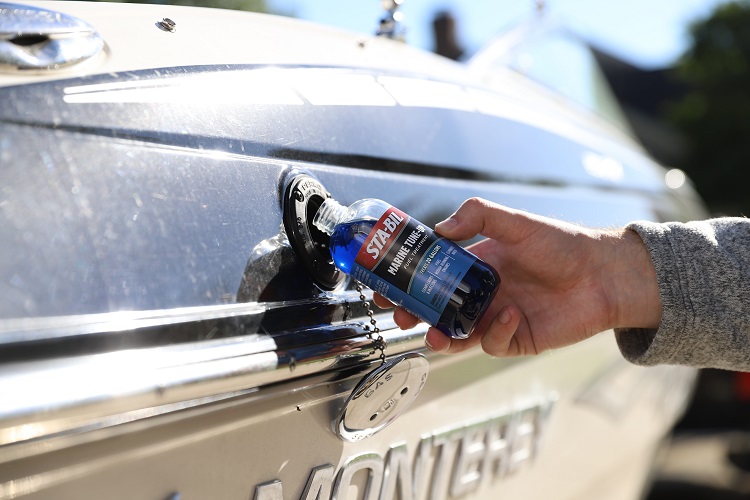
[382,396]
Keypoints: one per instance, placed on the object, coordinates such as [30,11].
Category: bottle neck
[328,215]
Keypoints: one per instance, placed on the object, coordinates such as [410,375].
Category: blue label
[395,295]
[439,273]
[418,271]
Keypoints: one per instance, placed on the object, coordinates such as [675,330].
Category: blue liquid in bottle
[403,260]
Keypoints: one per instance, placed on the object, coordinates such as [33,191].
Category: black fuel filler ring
[303,197]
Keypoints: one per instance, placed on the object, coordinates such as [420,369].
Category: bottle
[405,261]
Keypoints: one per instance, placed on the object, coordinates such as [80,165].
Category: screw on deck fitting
[167,24]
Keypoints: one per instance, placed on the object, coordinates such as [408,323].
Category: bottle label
[404,260]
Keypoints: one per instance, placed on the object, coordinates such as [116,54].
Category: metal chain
[379,341]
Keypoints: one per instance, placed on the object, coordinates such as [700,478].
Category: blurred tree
[714,114]
[251,5]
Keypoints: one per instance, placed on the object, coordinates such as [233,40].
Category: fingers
[404,320]
[477,216]
[499,340]
[438,342]
[382,302]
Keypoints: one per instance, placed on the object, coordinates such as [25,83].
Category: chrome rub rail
[64,398]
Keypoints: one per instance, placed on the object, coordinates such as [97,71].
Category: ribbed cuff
[659,346]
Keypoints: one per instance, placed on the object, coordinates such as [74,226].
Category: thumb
[477,216]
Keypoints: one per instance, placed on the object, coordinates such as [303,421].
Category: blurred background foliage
[714,113]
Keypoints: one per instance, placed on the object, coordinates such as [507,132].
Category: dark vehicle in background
[171,325]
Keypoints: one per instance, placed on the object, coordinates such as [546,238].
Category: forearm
[703,275]
[630,281]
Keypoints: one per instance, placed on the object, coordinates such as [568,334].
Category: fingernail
[446,225]
[427,343]
[504,316]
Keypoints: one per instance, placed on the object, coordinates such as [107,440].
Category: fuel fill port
[303,197]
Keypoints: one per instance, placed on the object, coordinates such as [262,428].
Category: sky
[648,33]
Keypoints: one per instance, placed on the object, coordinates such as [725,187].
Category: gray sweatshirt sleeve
[703,269]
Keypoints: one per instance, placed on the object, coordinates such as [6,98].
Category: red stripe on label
[381,238]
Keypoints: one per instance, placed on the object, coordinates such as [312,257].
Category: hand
[560,283]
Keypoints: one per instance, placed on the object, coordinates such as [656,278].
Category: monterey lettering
[448,463]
